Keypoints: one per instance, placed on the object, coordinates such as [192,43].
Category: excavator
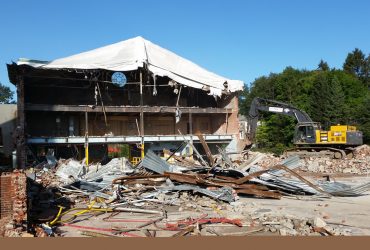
[309,139]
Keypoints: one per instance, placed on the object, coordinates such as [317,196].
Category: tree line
[330,96]
[6,95]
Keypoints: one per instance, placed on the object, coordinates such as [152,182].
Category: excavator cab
[305,133]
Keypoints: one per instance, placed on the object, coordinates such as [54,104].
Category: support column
[20,130]
[141,115]
[86,138]
[191,133]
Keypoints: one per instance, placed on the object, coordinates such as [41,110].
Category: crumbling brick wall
[6,202]
[13,202]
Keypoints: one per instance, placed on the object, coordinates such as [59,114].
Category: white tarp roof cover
[132,54]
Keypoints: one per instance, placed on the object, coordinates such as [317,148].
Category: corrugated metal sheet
[154,163]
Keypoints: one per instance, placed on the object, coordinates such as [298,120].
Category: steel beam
[124,139]
[125,109]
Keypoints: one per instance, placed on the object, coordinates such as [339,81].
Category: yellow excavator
[309,139]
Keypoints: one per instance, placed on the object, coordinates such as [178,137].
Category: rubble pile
[358,164]
[72,192]
[292,226]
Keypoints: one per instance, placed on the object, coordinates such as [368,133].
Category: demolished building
[132,92]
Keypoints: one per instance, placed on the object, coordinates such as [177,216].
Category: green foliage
[323,66]
[329,96]
[327,99]
[6,95]
[358,65]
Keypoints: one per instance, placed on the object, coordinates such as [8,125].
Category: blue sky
[238,39]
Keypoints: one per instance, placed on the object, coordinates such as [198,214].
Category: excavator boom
[261,104]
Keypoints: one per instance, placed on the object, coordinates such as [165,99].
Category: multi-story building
[132,92]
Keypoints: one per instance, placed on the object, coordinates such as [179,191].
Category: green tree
[6,95]
[363,118]
[366,77]
[336,102]
[320,100]
[323,66]
[358,64]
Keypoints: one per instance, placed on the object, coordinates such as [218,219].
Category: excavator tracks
[334,153]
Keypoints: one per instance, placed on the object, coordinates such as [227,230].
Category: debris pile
[358,164]
[211,188]
[291,226]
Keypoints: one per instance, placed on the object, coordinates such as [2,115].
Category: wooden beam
[206,149]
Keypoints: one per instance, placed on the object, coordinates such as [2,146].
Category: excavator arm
[261,104]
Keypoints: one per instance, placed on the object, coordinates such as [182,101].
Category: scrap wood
[195,150]
[144,182]
[225,157]
[138,227]
[241,186]
[252,186]
[259,193]
[96,234]
[225,178]
[130,229]
[322,230]
[251,176]
[147,233]
[206,149]
[243,233]
[109,219]
[174,152]
[213,231]
[198,180]
[183,178]
[195,179]
[184,231]
[99,229]
[217,183]
[119,180]
[202,220]
[151,222]
[137,189]
[137,210]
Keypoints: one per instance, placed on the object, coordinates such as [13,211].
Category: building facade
[69,104]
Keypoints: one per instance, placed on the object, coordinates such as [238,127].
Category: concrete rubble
[182,197]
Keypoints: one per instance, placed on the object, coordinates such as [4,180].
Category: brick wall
[13,200]
[6,202]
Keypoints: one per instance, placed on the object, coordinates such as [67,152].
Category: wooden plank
[206,149]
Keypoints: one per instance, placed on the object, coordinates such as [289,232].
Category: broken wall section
[13,203]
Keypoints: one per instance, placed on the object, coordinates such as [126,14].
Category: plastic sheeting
[133,53]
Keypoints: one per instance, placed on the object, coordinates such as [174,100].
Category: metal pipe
[86,138]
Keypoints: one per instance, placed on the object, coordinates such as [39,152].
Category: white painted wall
[8,116]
